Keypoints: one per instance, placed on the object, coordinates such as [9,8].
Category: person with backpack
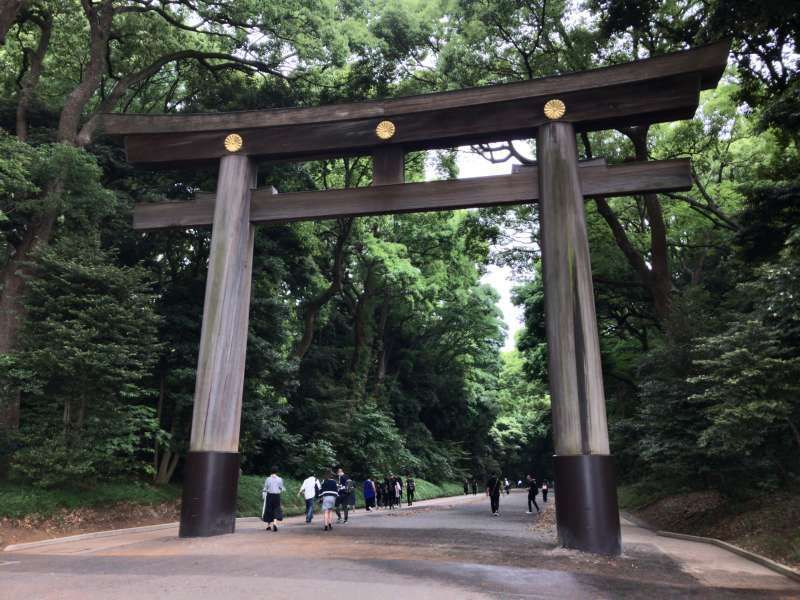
[369,494]
[272,511]
[328,495]
[309,489]
[411,487]
[346,488]
[533,489]
[493,485]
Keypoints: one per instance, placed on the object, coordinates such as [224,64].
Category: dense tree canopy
[372,341]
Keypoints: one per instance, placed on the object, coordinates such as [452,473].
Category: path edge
[757,558]
[88,536]
[145,528]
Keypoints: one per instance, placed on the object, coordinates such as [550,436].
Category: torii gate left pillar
[212,465]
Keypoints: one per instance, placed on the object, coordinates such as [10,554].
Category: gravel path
[447,548]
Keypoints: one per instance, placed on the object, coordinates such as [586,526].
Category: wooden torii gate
[552,109]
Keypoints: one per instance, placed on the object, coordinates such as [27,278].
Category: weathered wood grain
[707,62]
[665,99]
[223,341]
[519,187]
[575,375]
[388,165]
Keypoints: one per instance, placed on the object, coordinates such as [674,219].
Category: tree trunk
[380,345]
[9,10]
[363,312]
[100,19]
[656,276]
[660,277]
[311,309]
[31,78]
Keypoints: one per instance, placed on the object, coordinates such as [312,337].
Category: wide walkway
[451,548]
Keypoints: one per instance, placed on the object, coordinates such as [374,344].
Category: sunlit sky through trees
[499,277]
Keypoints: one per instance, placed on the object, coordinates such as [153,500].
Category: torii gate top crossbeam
[664,88]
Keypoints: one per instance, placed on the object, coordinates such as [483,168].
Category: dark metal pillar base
[587,513]
[210,483]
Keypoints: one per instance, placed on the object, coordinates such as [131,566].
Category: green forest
[373,342]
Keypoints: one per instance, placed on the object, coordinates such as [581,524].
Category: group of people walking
[495,486]
[389,492]
[336,493]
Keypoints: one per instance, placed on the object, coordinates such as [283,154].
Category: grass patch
[18,500]
[638,495]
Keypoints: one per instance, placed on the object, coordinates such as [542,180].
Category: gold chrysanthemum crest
[554,109]
[385,130]
[233,142]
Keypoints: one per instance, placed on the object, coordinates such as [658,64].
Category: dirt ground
[769,526]
[85,520]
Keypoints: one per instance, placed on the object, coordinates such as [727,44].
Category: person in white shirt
[309,489]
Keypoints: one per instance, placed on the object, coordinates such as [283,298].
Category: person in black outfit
[466,487]
[411,487]
[474,487]
[533,489]
[388,492]
[545,488]
[345,488]
[493,486]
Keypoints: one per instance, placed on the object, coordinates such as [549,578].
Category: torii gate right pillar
[587,514]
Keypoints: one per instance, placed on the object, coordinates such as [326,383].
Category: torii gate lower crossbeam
[552,109]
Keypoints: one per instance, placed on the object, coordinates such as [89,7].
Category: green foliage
[640,494]
[19,500]
[87,347]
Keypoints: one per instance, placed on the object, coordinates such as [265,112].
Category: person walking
[466,487]
[411,487]
[346,489]
[544,491]
[309,490]
[328,495]
[378,492]
[273,486]
[369,494]
[388,492]
[493,491]
[474,487]
[398,492]
[507,486]
[533,489]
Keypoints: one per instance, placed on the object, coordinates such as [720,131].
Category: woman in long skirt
[273,486]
